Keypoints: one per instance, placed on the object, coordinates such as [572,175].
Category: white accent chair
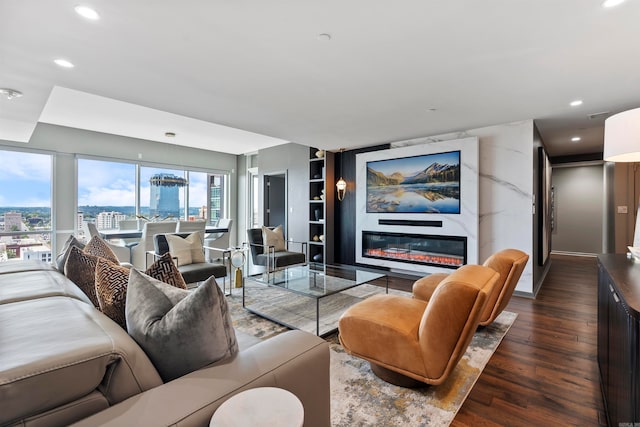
[139,251]
[128,224]
[218,240]
[190,226]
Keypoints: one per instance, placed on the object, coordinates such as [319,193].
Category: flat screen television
[428,183]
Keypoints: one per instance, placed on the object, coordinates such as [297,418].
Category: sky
[25,181]
[409,166]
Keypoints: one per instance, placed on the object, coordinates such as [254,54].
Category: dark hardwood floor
[545,372]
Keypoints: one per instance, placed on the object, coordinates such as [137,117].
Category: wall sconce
[341,185]
[622,137]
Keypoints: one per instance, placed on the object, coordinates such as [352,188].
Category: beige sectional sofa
[62,362]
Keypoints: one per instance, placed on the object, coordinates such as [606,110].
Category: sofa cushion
[61,259]
[34,284]
[180,331]
[100,248]
[80,268]
[273,238]
[56,350]
[112,280]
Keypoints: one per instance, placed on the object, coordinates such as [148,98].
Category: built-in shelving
[320,207]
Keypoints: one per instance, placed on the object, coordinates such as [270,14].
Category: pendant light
[341,185]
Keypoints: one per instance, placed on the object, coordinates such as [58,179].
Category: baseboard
[584,254]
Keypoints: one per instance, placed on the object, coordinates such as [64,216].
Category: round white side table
[262,406]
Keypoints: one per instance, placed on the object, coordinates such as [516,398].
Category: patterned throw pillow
[188,250]
[180,331]
[80,268]
[99,247]
[111,289]
[112,281]
[61,259]
[165,270]
[273,238]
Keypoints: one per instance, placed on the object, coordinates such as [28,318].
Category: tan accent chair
[410,342]
[509,263]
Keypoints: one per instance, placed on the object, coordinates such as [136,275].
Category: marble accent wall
[505,189]
[463,224]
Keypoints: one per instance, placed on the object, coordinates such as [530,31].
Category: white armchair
[218,240]
[121,251]
[190,226]
[139,251]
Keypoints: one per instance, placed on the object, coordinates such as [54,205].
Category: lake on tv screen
[414,198]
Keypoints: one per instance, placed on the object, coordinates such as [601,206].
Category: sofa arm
[296,361]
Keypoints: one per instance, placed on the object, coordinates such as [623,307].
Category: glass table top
[318,282]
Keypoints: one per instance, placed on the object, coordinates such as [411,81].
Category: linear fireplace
[424,249]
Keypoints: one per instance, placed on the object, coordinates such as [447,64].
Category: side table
[262,406]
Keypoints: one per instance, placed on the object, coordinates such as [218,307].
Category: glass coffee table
[308,298]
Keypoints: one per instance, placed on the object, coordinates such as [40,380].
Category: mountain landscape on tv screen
[435,189]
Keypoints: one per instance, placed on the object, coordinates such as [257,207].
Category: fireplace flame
[415,256]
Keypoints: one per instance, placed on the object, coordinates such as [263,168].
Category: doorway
[275,200]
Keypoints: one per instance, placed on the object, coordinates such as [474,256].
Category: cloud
[17,166]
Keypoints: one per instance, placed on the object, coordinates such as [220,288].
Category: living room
[267,110]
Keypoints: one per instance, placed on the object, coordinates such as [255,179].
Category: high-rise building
[79,220]
[165,195]
[13,222]
[109,220]
[216,194]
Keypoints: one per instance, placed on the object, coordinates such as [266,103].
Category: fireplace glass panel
[441,251]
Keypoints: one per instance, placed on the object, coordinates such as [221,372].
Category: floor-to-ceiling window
[106,193]
[218,190]
[197,196]
[162,193]
[109,192]
[25,205]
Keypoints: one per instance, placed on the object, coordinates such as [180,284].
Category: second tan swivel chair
[509,263]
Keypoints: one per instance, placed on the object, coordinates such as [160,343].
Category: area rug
[299,311]
[359,398]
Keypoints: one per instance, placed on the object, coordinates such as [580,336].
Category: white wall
[506,189]
[578,209]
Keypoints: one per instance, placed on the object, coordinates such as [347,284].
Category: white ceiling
[237,76]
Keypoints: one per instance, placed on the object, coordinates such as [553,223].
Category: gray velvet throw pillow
[181,331]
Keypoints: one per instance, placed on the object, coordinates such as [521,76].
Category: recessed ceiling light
[170,134]
[63,63]
[10,93]
[87,12]
[612,3]
[576,103]
[576,139]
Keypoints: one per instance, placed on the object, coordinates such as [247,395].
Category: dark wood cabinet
[619,337]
